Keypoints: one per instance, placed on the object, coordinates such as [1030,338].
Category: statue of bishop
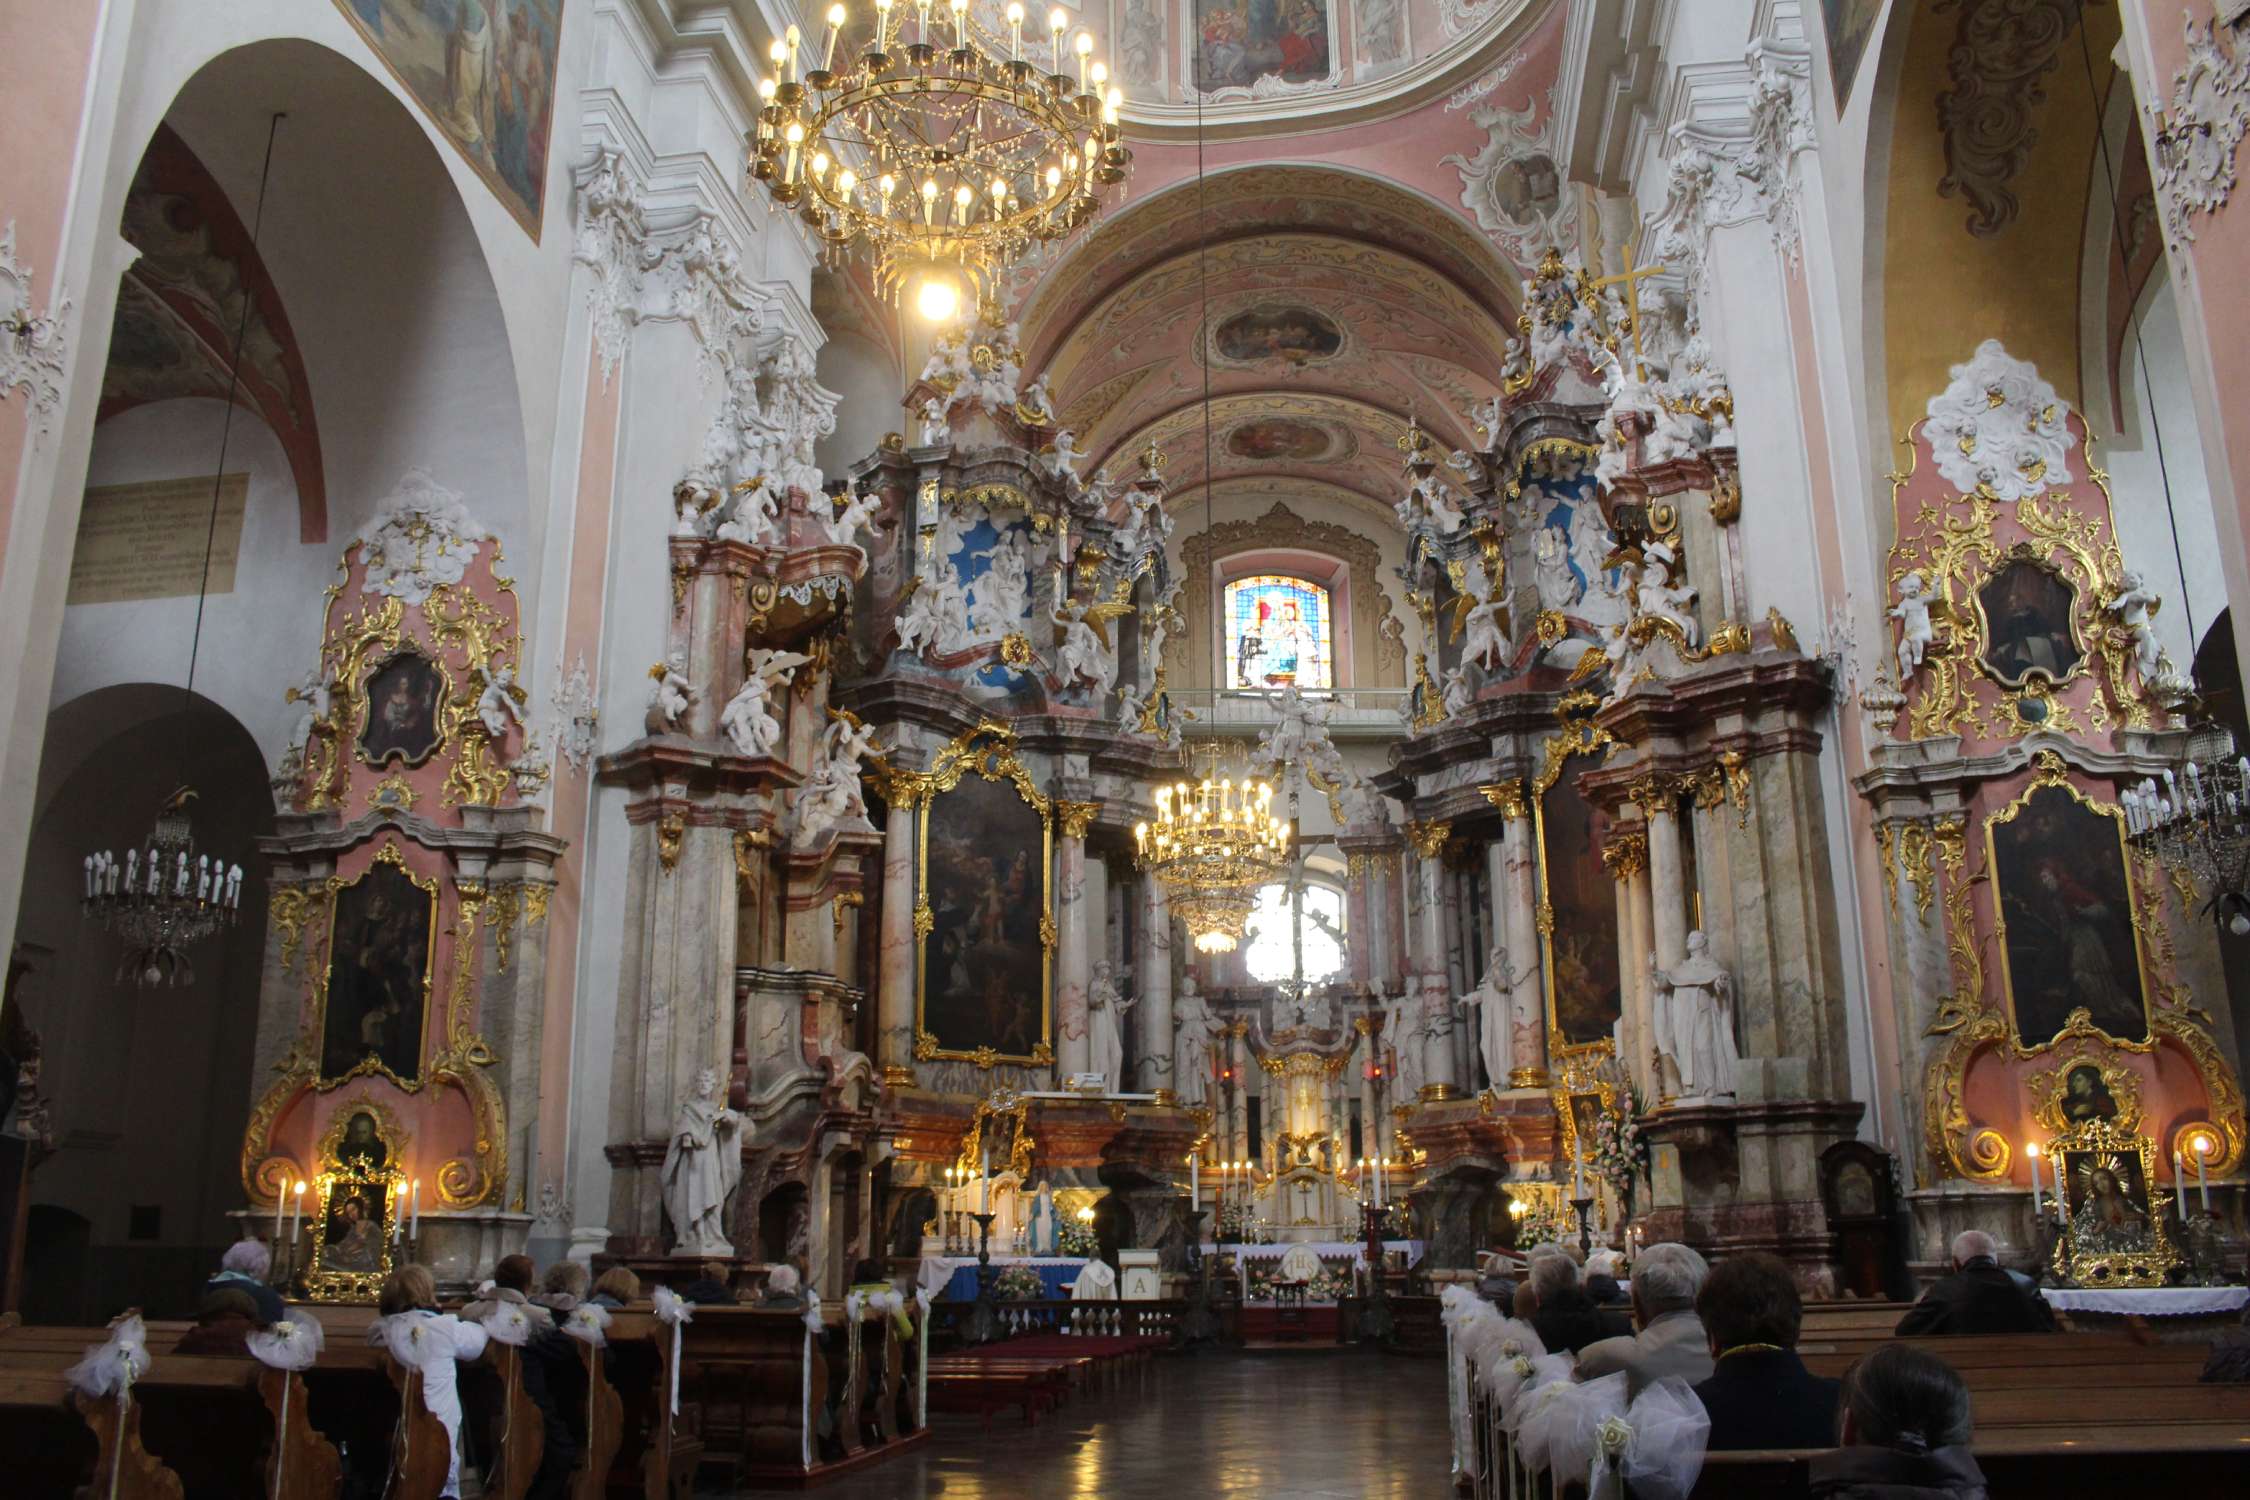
[702,1168]
[1694,1023]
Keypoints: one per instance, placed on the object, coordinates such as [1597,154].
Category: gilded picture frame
[2051,780]
[2116,1231]
[389,857]
[1580,737]
[431,724]
[1993,637]
[988,752]
[355,1212]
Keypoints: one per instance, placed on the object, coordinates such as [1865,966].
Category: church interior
[1360,747]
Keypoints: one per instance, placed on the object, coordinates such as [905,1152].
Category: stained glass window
[1271,953]
[1279,631]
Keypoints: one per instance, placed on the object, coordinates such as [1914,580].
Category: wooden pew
[605,1426]
[657,1453]
[519,1438]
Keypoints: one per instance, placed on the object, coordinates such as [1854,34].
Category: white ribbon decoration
[288,1346]
[675,1310]
[110,1369]
[812,1328]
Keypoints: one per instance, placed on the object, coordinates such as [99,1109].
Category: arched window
[1276,931]
[1280,630]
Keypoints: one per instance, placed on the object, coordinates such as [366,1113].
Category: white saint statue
[1405,1026]
[702,1168]
[2133,606]
[1043,1228]
[1105,1025]
[832,796]
[747,720]
[1915,633]
[1490,1000]
[934,429]
[1558,586]
[1196,1030]
[1485,640]
[1694,1022]
[1657,595]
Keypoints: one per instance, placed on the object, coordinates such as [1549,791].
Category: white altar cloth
[2149,1302]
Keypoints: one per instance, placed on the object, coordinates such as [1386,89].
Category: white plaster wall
[871,386]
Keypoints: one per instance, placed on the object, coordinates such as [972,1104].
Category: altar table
[2149,1302]
[955,1276]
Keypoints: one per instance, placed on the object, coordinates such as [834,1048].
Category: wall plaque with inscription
[147,540]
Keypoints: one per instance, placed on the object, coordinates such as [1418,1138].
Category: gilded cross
[1630,279]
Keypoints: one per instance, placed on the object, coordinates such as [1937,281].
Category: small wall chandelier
[163,899]
[2199,821]
[1214,845]
[934,156]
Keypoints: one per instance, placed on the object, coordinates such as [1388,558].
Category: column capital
[1429,837]
[1508,797]
[1625,855]
[1655,793]
[1076,817]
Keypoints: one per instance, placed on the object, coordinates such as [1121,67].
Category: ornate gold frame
[2031,557]
[994,760]
[2120,1268]
[396,1141]
[363,705]
[2083,1047]
[324,1285]
[2052,774]
[1579,735]
[391,855]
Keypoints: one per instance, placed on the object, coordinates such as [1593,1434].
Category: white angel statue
[1062,457]
[1458,699]
[1915,632]
[318,693]
[1086,654]
[935,432]
[501,702]
[2134,606]
[748,720]
[1657,595]
[671,697]
[1486,634]
[859,511]
[832,797]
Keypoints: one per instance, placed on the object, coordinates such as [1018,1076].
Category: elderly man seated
[243,1269]
[1979,1297]
[1564,1316]
[1671,1340]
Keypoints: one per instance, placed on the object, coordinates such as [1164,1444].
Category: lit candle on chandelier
[1057,21]
[1015,31]
[835,26]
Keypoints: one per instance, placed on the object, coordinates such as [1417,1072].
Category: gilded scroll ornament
[1914,845]
[1507,796]
[1883,859]
[671,833]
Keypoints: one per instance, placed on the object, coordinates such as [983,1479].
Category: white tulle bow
[508,1323]
[291,1344]
[588,1323]
[110,1368]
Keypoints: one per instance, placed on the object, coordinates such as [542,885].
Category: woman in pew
[243,1269]
[616,1288]
[1760,1395]
[1905,1433]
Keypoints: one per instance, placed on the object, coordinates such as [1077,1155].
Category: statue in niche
[1405,1024]
[1558,586]
[2134,608]
[1003,590]
[832,797]
[1694,1023]
[702,1168]
[1485,639]
[1656,594]
[672,696]
[1492,1002]
[747,720]
[1197,1032]
[1915,632]
[1105,1024]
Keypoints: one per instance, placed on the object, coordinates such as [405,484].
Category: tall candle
[280,1202]
[1382,1187]
[1195,1180]
[417,1208]
[984,1182]
[2179,1183]
[2202,1183]
[297,1214]
[1577,1169]
[2037,1210]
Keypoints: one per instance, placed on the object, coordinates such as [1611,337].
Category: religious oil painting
[2067,939]
[1527,188]
[1585,995]
[984,877]
[1849,25]
[484,72]
[1241,43]
[1280,440]
[362,1148]
[2027,610]
[1292,333]
[354,1226]
[404,695]
[378,983]
[1278,632]
[2086,1096]
[2107,1195]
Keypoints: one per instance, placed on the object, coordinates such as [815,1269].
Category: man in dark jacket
[1760,1395]
[1566,1317]
[1979,1297]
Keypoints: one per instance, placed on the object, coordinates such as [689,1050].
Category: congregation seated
[783,1290]
[410,1291]
[1760,1395]
[1978,1297]
[710,1286]
[616,1288]
[1671,1339]
[1905,1433]
[566,1284]
[242,1270]
[512,1281]
[1564,1316]
[555,1380]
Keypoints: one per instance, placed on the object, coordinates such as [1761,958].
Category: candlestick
[2031,1149]
[417,1209]
[1577,1168]
[984,1181]
[280,1202]
[2202,1184]
[1195,1179]
[2179,1183]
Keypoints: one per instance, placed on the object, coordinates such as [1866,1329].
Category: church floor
[1268,1425]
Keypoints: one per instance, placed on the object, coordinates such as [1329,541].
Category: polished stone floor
[1271,1425]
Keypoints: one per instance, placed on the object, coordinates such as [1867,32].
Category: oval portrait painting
[1279,440]
[1300,335]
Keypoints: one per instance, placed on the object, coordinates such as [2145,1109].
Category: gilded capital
[1654,794]
[1625,855]
[1076,817]
[1507,796]
[1428,838]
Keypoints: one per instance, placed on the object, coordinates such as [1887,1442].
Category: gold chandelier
[1214,845]
[940,156]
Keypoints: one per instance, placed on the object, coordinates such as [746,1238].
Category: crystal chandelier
[939,156]
[1214,845]
[2199,821]
[163,899]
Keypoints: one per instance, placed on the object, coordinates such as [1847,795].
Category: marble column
[1625,856]
[1152,971]
[1666,898]
[1238,1083]
[895,943]
[1516,892]
[1370,1126]
[1426,955]
[1073,962]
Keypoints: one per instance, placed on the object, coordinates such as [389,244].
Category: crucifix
[1304,1202]
[1630,279]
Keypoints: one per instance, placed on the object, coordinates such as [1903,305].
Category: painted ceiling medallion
[2196,140]
[1514,186]
[2000,426]
[1281,440]
[1276,333]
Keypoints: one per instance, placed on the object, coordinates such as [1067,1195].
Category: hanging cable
[2140,355]
[1203,337]
[226,419]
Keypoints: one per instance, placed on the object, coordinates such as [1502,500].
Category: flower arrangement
[1615,1152]
[1541,1223]
[1334,1283]
[1075,1239]
[1018,1284]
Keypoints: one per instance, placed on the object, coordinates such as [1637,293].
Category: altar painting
[984,958]
[377,986]
[1279,631]
[1239,43]
[1585,995]
[2066,917]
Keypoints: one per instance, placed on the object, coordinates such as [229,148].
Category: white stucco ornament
[420,539]
[1999,425]
[31,346]
[2196,139]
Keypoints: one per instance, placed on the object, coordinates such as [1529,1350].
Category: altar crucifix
[1630,278]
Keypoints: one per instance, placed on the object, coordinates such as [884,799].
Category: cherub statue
[318,693]
[1062,457]
[672,696]
[859,510]
[1038,403]
[501,702]
[2134,608]
[935,431]
[832,796]
[1915,632]
[1486,416]
[754,517]
[747,720]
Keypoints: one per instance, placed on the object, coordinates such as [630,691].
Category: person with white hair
[783,1288]
[1566,1318]
[1980,1296]
[1670,1340]
[243,1269]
